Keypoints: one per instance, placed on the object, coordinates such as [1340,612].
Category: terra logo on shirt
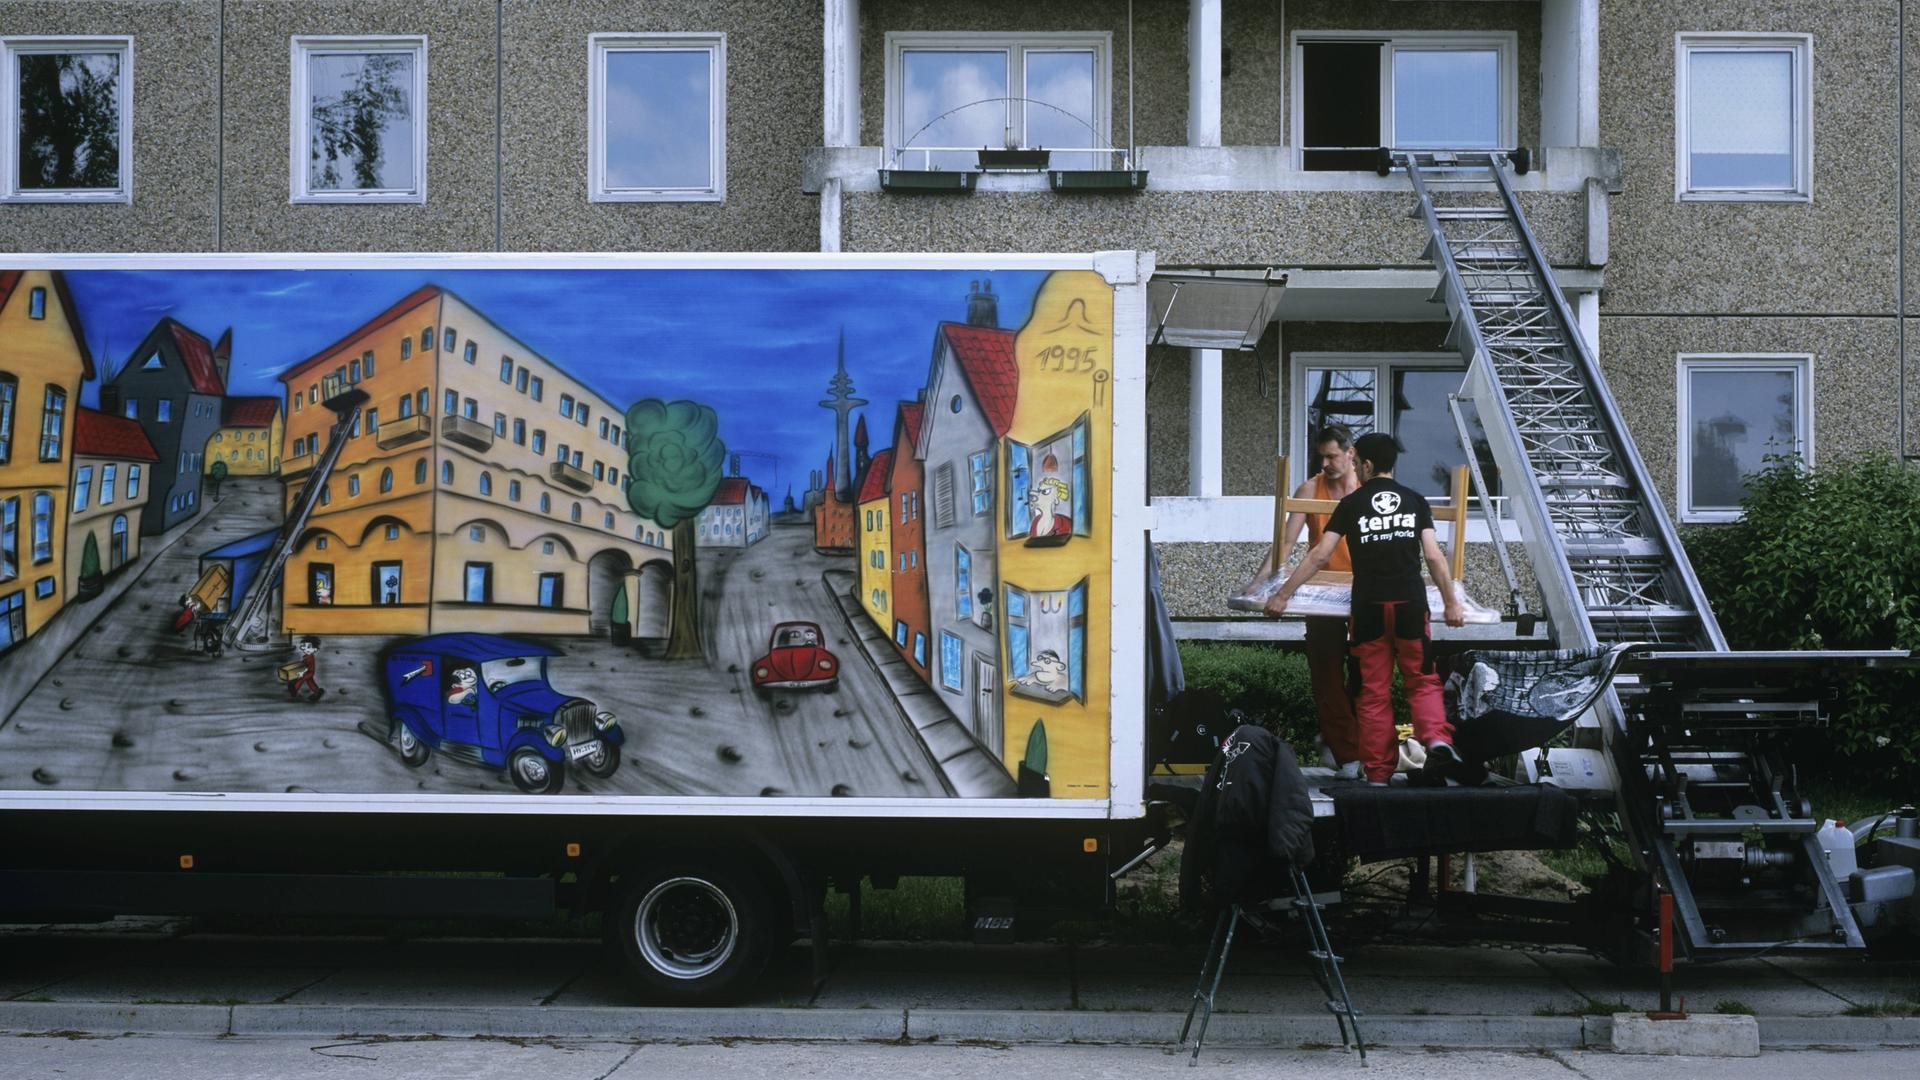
[1386,502]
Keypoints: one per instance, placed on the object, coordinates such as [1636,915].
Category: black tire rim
[686,928]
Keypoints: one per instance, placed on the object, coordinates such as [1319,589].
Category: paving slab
[434,986]
[953,990]
[1699,1035]
[188,985]
[1238,993]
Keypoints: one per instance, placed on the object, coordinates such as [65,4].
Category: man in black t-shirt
[1388,528]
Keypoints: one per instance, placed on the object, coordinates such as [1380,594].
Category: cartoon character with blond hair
[1047,503]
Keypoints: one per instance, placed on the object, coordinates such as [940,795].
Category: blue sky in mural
[758,345]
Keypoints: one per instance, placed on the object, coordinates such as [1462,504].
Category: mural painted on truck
[652,532]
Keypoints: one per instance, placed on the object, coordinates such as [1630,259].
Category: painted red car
[796,660]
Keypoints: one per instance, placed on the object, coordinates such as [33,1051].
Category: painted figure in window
[1051,504]
[1047,673]
[303,675]
[461,691]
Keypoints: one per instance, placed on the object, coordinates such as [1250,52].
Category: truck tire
[693,929]
[413,752]
[534,774]
[602,764]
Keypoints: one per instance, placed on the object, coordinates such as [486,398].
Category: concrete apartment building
[1720,185]
[477,491]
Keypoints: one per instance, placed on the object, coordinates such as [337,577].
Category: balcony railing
[466,432]
[405,430]
[576,478]
[294,465]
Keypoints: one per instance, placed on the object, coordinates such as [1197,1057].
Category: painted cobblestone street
[134,707]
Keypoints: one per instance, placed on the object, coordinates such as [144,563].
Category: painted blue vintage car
[485,699]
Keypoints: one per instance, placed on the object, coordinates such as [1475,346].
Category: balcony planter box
[1014,160]
[927,181]
[1097,179]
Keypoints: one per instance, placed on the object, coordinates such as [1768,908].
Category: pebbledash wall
[1203,90]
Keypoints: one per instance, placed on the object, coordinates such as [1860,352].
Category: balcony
[406,430]
[469,433]
[577,479]
[294,466]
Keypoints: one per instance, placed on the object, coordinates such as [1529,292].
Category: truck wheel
[602,762]
[534,774]
[413,752]
[695,930]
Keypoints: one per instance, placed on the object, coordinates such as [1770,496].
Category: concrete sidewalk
[166,979]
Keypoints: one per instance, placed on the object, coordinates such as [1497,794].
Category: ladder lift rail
[248,613]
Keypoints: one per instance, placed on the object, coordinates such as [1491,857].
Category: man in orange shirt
[1327,634]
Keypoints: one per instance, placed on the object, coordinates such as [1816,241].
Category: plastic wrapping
[1335,598]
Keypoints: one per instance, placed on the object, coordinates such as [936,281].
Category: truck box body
[718,537]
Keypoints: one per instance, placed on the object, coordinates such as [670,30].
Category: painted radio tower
[842,402]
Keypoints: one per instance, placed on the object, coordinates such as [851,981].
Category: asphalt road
[39,1057]
[131,707]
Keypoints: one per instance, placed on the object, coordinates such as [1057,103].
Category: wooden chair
[1451,510]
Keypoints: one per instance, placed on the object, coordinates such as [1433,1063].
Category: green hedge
[1828,559]
[1268,683]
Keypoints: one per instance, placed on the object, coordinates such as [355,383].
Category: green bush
[1827,559]
[1270,685]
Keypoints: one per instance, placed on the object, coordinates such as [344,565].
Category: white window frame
[1382,363]
[1801,45]
[1016,46]
[11,48]
[1505,42]
[299,142]
[1800,365]
[598,46]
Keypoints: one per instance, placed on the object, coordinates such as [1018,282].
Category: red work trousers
[1332,695]
[1385,634]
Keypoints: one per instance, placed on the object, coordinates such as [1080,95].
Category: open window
[950,95]
[1047,643]
[66,119]
[1356,92]
[1047,485]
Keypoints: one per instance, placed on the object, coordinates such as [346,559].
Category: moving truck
[678,588]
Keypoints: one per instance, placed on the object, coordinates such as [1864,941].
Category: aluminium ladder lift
[1712,811]
[248,626]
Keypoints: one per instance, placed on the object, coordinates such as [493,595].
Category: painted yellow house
[1055,537]
[876,543]
[249,437]
[43,364]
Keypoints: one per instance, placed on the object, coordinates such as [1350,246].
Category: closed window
[657,109]
[1743,117]
[406,348]
[1404,396]
[420,471]
[552,592]
[106,484]
[386,480]
[42,526]
[66,120]
[133,481]
[353,486]
[950,94]
[13,620]
[446,473]
[9,398]
[386,584]
[520,380]
[539,441]
[566,406]
[359,119]
[513,490]
[538,388]
[479,583]
[979,467]
[951,676]
[450,402]
[486,483]
[1736,412]
[53,418]
[506,369]
[520,432]
[1353,93]
[10,538]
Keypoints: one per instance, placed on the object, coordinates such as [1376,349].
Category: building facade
[112,461]
[42,367]
[876,544]
[479,489]
[737,516]
[1697,183]
[907,510]
[249,439]
[173,388]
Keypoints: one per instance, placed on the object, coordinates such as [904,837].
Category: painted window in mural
[1047,486]
[1047,642]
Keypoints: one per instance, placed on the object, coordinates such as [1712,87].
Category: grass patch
[1908,1007]
[1734,1007]
[1590,1008]
[919,909]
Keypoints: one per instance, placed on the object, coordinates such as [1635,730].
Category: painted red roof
[407,303]
[197,353]
[986,356]
[251,411]
[223,349]
[96,434]
[732,491]
[11,278]
[910,414]
[874,486]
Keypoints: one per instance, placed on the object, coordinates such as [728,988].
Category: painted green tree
[674,467]
[90,560]
[218,473]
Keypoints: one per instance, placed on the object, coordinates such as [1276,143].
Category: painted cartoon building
[876,580]
[249,438]
[172,386]
[112,464]
[1053,533]
[906,516]
[835,525]
[43,364]
[480,489]
[737,516]
[970,391]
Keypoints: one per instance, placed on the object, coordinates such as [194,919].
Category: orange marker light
[186,862]
[573,851]
[1090,845]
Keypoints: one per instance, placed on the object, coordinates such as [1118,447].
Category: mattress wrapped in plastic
[1332,594]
